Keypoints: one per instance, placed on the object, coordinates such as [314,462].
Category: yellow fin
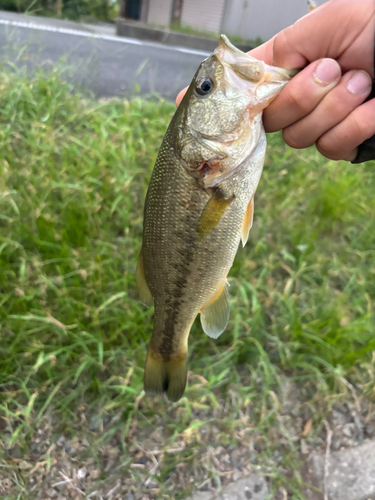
[215,316]
[212,213]
[247,222]
[165,376]
[143,290]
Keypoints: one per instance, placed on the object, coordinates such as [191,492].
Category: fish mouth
[247,66]
[246,72]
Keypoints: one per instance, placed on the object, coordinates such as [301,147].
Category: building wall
[205,15]
[253,19]
[144,10]
[160,12]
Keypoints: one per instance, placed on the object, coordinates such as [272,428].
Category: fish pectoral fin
[143,290]
[165,376]
[247,222]
[212,213]
[215,316]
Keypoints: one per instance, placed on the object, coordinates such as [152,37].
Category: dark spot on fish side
[219,194]
[173,304]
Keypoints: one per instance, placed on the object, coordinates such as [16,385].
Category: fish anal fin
[212,213]
[247,222]
[143,290]
[167,376]
[215,315]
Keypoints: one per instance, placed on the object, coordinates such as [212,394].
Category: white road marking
[110,38]
[192,51]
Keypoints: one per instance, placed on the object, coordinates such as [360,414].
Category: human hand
[320,105]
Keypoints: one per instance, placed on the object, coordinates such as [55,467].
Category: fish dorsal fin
[247,222]
[143,290]
[215,316]
[212,213]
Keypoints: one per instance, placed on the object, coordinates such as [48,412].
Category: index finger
[180,95]
[264,52]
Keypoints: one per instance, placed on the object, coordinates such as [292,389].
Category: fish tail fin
[165,376]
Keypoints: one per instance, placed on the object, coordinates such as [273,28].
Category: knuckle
[323,151]
[329,148]
[279,43]
[358,128]
[298,98]
[294,138]
[364,126]
[323,145]
[283,43]
[335,109]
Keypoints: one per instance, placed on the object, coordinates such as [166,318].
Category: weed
[73,178]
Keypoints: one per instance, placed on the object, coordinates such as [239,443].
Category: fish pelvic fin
[212,213]
[247,222]
[215,316]
[143,290]
[165,376]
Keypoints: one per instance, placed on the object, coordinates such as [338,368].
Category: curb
[142,31]
[347,474]
[95,28]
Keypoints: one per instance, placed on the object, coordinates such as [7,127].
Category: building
[250,19]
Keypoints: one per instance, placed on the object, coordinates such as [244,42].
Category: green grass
[73,178]
[76,10]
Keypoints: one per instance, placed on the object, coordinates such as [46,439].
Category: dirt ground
[99,459]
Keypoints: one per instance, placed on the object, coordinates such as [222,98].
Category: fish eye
[204,86]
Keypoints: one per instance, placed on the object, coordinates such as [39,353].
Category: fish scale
[200,204]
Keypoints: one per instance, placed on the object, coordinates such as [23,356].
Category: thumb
[338,29]
[180,96]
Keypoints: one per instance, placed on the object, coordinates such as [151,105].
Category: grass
[76,10]
[73,178]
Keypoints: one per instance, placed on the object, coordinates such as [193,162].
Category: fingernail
[327,71]
[359,83]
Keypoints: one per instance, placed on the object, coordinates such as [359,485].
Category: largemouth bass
[200,205]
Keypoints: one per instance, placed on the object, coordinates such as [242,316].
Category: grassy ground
[74,419]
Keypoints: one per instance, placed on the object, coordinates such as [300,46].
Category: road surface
[94,58]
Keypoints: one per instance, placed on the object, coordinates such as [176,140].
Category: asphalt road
[95,59]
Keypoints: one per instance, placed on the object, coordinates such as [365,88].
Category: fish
[200,205]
